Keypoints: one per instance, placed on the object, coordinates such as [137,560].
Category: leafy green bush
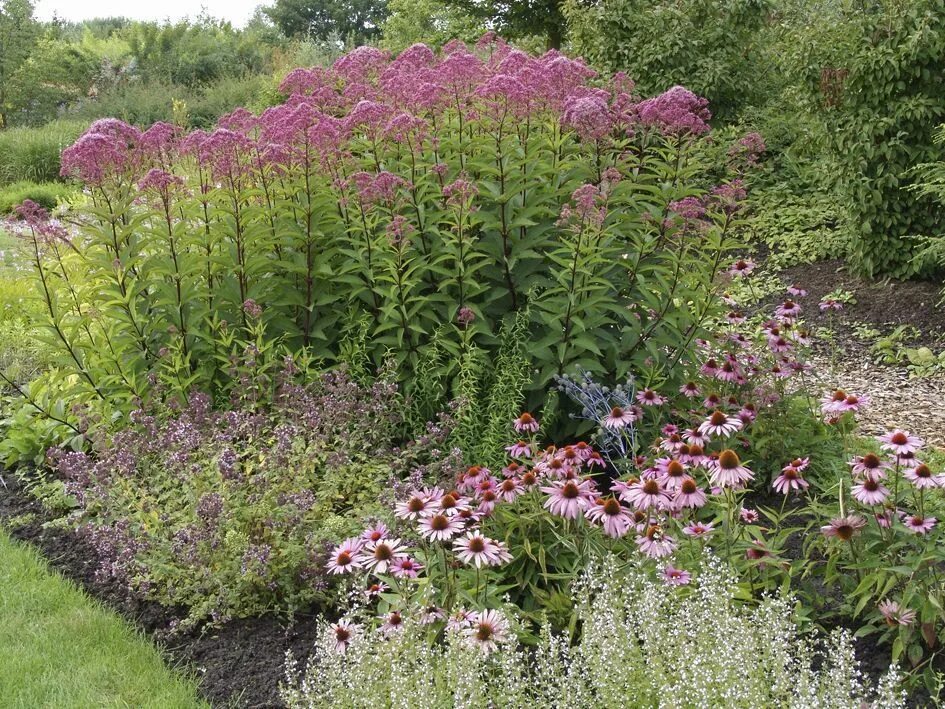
[228,512]
[873,72]
[33,153]
[45,194]
[714,48]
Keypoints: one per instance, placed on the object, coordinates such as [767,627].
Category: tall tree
[19,32]
[357,20]
[520,18]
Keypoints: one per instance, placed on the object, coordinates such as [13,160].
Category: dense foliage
[426,209]
[874,74]
[713,48]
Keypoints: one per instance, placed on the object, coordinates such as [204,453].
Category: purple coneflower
[710,368]
[643,494]
[611,515]
[648,397]
[844,528]
[676,577]
[720,424]
[869,465]
[654,543]
[869,491]
[921,476]
[343,631]
[728,471]
[788,310]
[476,549]
[796,291]
[690,390]
[748,516]
[412,507]
[378,556]
[519,449]
[832,403]
[393,623]
[405,568]
[689,495]
[790,479]
[698,530]
[899,442]
[526,423]
[430,615]
[344,556]
[375,532]
[618,418]
[672,472]
[509,489]
[741,268]
[566,498]
[487,630]
[440,527]
[918,524]
[830,304]
[894,614]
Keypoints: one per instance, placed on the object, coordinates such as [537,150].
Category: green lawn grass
[59,648]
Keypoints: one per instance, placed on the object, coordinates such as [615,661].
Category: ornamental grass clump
[639,642]
[423,201]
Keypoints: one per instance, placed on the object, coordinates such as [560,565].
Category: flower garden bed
[449,359]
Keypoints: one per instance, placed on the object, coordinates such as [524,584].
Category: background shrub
[45,194]
[873,73]
[716,49]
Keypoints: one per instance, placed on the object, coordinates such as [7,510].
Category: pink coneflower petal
[790,479]
[412,507]
[648,397]
[643,494]
[618,418]
[487,630]
[526,423]
[343,632]
[611,515]
[844,528]
[375,532]
[568,498]
[405,568]
[655,543]
[676,577]
[748,516]
[899,442]
[519,449]
[918,524]
[393,623]
[344,557]
[894,614]
[698,530]
[378,556]
[480,551]
[689,495]
[870,466]
[869,492]
[720,425]
[728,471]
[441,527]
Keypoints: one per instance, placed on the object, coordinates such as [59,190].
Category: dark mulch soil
[884,304]
[238,664]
